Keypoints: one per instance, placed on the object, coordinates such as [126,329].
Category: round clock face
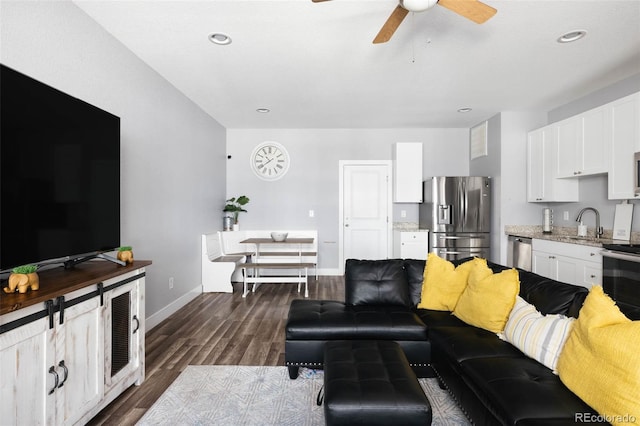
[269,161]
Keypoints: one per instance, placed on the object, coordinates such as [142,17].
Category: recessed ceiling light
[219,38]
[263,110]
[467,109]
[572,36]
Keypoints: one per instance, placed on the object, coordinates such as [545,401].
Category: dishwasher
[519,253]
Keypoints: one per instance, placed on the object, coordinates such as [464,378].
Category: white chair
[218,268]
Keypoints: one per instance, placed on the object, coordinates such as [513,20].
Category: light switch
[311,213]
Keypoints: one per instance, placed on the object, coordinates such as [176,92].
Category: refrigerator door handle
[465,204]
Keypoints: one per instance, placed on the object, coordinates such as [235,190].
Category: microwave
[636,173]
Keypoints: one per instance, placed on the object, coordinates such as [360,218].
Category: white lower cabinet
[411,244]
[54,367]
[568,263]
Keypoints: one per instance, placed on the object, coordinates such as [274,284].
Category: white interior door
[365,210]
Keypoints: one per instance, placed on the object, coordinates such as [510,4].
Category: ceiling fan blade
[318,1]
[475,10]
[391,25]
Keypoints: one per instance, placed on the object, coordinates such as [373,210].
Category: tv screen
[59,174]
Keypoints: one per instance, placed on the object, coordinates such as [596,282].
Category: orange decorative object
[125,256]
[22,282]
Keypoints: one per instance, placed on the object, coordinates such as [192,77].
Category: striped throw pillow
[540,337]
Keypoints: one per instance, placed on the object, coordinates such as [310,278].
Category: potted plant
[125,254]
[234,206]
[23,277]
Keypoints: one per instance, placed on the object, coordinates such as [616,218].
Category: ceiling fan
[474,10]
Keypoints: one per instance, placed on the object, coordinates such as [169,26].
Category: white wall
[312,180]
[173,167]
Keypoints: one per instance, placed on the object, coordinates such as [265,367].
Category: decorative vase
[125,256]
[22,282]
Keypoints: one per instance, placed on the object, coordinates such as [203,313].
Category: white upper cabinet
[567,132]
[583,144]
[623,122]
[407,172]
[542,161]
[601,140]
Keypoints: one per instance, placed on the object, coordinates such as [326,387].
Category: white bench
[255,279]
[218,268]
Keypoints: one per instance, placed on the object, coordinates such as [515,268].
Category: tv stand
[69,264]
[72,347]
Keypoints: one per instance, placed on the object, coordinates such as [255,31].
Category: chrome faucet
[599,230]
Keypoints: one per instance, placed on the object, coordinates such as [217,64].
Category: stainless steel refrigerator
[457,213]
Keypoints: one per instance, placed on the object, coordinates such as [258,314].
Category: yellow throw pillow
[444,283]
[488,299]
[600,361]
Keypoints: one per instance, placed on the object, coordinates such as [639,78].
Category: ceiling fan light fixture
[572,36]
[219,38]
[263,110]
[465,109]
[418,5]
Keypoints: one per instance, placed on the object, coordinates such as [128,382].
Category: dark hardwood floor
[215,329]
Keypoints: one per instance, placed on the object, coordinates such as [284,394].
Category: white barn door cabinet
[70,348]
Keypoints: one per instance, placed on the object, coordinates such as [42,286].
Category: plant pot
[236,226]
[22,282]
[125,256]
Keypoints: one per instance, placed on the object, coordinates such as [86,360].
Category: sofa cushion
[550,296]
[327,320]
[488,298]
[414,269]
[540,337]
[439,319]
[599,362]
[376,282]
[444,282]
[521,391]
[458,344]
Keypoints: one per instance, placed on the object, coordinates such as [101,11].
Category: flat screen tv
[59,175]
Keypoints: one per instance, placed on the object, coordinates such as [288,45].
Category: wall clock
[269,161]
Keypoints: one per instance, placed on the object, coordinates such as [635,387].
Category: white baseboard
[326,271]
[172,308]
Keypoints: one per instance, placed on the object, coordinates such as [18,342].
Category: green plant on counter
[25,269]
[125,248]
[236,205]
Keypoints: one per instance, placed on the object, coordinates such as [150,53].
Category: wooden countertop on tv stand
[58,281]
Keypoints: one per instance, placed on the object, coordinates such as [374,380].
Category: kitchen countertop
[567,235]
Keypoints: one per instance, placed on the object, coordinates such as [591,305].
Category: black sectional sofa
[492,381]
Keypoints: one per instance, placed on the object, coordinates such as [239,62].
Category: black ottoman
[371,383]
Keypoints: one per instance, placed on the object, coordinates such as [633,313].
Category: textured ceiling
[314,66]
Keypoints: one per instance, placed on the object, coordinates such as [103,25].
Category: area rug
[260,396]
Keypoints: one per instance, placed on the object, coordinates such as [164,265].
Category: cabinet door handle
[135,318]
[593,276]
[552,257]
[52,370]
[66,373]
